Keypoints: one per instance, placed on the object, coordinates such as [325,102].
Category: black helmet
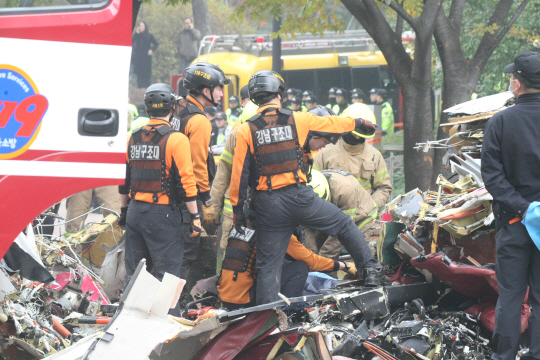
[296,100]
[159,99]
[203,75]
[320,110]
[332,91]
[265,82]
[307,93]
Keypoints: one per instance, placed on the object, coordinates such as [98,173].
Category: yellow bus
[349,60]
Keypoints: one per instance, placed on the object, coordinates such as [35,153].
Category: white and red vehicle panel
[52,65]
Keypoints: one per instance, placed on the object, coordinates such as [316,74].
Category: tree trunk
[413,77]
[201,17]
[417,128]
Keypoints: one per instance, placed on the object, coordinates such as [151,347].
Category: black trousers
[293,278]
[191,244]
[154,232]
[278,212]
[518,267]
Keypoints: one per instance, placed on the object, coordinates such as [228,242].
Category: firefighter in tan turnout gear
[366,164]
[343,190]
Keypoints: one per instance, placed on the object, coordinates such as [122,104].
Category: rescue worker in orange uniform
[159,177]
[205,84]
[270,158]
[236,282]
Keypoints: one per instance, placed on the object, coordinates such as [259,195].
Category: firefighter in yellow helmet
[343,190]
[365,163]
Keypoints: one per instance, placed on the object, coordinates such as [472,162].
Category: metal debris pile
[57,290]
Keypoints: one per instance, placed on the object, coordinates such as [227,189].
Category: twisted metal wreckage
[437,246]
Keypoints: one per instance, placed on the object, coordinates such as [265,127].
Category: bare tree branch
[490,41]
[404,14]
[372,19]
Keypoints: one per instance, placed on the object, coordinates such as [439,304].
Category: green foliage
[165,21]
[524,35]
[298,16]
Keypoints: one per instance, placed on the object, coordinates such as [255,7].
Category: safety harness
[147,147]
[276,146]
[185,110]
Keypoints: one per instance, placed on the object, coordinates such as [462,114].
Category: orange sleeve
[314,262]
[325,124]
[179,152]
[199,131]
[243,152]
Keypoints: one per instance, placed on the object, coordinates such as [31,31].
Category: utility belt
[283,188]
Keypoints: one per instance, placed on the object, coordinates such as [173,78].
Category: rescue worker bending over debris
[205,84]
[269,158]
[159,177]
[341,189]
[366,164]
[511,172]
[239,271]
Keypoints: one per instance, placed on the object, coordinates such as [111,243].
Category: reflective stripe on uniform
[365,183]
[380,176]
[372,215]
[351,213]
[227,206]
[227,157]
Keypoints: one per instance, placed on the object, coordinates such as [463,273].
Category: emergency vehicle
[64,69]
[349,60]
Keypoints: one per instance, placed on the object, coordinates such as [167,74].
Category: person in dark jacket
[188,44]
[143,46]
[511,173]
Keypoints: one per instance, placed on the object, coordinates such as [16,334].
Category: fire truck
[64,71]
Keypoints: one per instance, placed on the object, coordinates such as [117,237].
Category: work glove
[350,268]
[364,127]
[239,222]
[195,225]
[123,216]
[209,212]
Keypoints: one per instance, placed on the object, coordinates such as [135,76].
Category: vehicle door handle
[98,122]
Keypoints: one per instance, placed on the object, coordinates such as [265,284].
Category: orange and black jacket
[243,172]
[177,161]
[238,291]
[199,131]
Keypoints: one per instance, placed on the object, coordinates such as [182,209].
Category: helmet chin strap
[213,102]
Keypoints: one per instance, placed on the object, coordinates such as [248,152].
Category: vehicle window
[33,6]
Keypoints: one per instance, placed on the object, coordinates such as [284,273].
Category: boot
[375,277]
